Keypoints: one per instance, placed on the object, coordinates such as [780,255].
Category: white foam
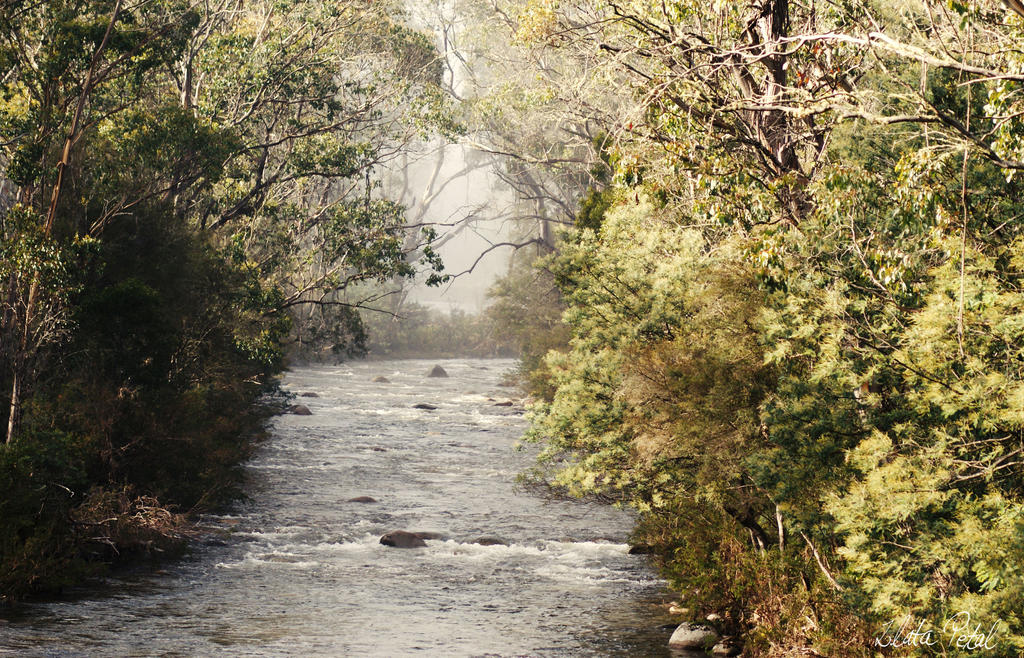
[569,573]
[252,561]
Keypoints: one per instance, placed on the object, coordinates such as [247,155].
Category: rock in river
[381,379]
[309,394]
[402,539]
[424,405]
[362,499]
[490,541]
[300,410]
[437,371]
[688,636]
[506,403]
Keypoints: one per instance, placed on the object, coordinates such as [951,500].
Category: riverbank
[72,509]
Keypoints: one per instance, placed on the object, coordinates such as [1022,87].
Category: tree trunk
[12,420]
[745,517]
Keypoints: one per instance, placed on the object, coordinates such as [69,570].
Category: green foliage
[184,189]
[40,477]
[593,207]
[527,313]
[805,369]
[704,554]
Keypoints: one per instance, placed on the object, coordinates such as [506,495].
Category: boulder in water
[362,499]
[424,405]
[381,379]
[402,539]
[429,534]
[689,636]
[309,394]
[299,410]
[640,549]
[506,403]
[437,371]
[490,541]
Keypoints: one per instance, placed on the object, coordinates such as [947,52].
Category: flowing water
[299,571]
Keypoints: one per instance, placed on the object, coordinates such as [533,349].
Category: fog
[456,191]
[455,188]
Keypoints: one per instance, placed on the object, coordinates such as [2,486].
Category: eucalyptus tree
[320,96]
[69,68]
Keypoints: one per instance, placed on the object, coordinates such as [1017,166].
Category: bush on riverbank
[527,314]
[812,462]
[148,409]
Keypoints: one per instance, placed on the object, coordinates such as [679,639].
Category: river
[299,571]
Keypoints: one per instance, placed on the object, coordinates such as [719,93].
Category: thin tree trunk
[15,402]
[782,531]
[821,564]
[20,359]
[65,158]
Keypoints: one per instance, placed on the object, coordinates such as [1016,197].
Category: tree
[68,67]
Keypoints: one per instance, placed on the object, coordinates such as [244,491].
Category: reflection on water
[300,571]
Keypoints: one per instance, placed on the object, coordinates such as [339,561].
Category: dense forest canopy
[770,290]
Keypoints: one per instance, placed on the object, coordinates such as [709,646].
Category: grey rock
[362,499]
[429,534]
[506,403]
[424,405]
[437,371]
[726,648]
[300,410]
[490,541]
[402,539]
[381,379]
[689,636]
[309,395]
